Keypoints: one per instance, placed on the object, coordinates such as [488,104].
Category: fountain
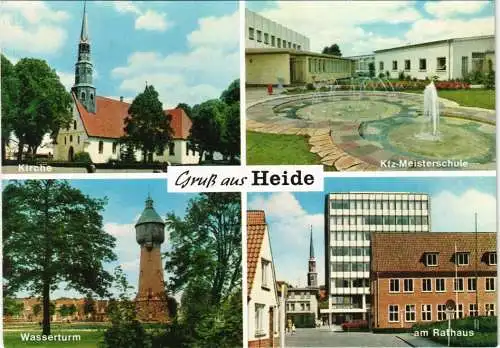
[431,107]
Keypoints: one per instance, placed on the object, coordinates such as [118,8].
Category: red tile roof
[404,252]
[109,120]
[256,230]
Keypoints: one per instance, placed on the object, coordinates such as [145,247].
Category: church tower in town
[83,87]
[151,299]
[312,275]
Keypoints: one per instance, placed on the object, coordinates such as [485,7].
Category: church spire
[311,247]
[84,34]
[84,88]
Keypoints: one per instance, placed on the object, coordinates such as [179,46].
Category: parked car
[357,324]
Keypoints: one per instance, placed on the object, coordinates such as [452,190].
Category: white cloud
[455,213]
[32,27]
[145,19]
[152,20]
[216,32]
[67,79]
[450,8]
[190,77]
[439,29]
[289,227]
[326,23]
[343,23]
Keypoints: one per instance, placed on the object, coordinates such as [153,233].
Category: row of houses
[453,58]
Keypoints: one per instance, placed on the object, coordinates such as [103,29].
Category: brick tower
[151,299]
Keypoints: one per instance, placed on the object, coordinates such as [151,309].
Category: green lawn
[277,149]
[480,98]
[88,339]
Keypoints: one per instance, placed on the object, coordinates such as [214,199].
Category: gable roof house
[99,122]
[263,313]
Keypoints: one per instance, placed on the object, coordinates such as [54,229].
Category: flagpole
[456,282]
[476,257]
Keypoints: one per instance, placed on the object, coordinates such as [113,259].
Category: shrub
[387,74]
[401,75]
[82,157]
[123,334]
[381,75]
[477,77]
[310,87]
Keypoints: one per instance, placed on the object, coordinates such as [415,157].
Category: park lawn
[479,98]
[263,148]
[88,339]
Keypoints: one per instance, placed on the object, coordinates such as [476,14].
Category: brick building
[414,274]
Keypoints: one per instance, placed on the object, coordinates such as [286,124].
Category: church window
[171,149]
[114,147]
[78,139]
[101,146]
[91,97]
[64,140]
[74,124]
[83,96]
[187,149]
[70,138]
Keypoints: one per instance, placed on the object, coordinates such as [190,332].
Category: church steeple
[312,275]
[84,88]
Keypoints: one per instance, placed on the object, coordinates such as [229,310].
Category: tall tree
[12,307]
[333,50]
[147,127]
[44,104]
[54,233]
[10,100]
[231,132]
[205,260]
[208,118]
[232,94]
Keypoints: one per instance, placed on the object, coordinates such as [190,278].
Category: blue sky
[126,200]
[188,50]
[454,201]
[359,27]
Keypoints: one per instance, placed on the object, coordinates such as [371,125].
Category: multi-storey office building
[265,33]
[414,286]
[350,218]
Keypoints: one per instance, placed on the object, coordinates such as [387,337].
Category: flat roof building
[413,275]
[447,59]
[262,32]
[350,219]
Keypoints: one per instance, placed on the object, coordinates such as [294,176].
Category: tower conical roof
[84,34]
[311,247]
[149,214]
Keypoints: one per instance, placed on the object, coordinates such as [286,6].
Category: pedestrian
[289,325]
[293,329]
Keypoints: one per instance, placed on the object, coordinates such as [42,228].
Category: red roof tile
[256,229]
[403,252]
[109,120]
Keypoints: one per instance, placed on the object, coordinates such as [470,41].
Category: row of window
[393,204]
[407,220]
[422,64]
[351,282]
[410,312]
[439,284]
[350,235]
[272,40]
[171,147]
[460,258]
[350,266]
[316,65]
[350,251]
[290,307]
[71,139]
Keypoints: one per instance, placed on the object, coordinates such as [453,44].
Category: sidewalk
[415,341]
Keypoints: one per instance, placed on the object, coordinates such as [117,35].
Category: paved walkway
[321,337]
[417,341]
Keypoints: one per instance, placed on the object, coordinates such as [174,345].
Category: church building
[99,122]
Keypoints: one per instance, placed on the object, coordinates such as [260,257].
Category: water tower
[151,300]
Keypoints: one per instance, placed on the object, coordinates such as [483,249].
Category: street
[324,337]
